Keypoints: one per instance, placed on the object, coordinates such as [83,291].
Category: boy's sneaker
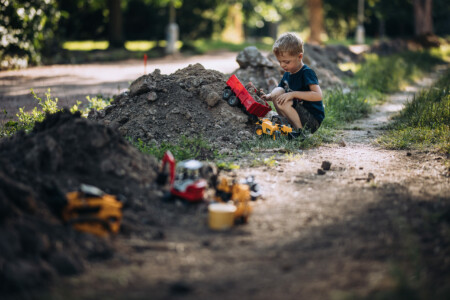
[296,134]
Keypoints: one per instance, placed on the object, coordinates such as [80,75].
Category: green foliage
[27,28]
[185,148]
[424,122]
[26,120]
[389,74]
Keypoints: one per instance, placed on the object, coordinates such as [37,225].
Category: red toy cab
[186,182]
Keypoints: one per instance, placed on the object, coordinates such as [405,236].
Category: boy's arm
[315,94]
[274,94]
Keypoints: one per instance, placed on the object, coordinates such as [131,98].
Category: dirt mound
[162,108]
[389,47]
[37,169]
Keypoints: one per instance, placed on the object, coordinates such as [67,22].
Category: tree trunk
[315,21]
[116,39]
[423,19]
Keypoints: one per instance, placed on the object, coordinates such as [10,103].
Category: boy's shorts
[306,118]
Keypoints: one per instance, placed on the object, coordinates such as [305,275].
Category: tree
[116,39]
[316,23]
[423,21]
[27,29]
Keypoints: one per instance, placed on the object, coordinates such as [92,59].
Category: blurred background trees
[33,28]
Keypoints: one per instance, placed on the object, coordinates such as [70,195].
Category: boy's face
[290,63]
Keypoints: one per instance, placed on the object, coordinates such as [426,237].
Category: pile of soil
[162,108]
[389,47]
[38,169]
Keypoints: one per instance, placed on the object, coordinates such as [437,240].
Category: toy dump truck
[237,95]
[276,127]
[185,180]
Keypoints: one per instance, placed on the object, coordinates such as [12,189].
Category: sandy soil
[312,236]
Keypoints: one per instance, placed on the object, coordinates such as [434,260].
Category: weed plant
[26,120]
[424,123]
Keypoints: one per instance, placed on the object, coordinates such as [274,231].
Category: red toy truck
[235,93]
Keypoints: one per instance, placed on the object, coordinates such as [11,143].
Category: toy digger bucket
[221,216]
[247,100]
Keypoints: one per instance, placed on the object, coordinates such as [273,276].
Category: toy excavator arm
[168,158]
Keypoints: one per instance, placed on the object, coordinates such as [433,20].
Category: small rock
[321,172]
[326,165]
[152,96]
[342,143]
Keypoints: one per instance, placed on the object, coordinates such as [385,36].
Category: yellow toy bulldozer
[91,210]
[276,127]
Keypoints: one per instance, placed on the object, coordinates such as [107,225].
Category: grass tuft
[424,123]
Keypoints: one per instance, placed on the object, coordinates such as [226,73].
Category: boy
[308,112]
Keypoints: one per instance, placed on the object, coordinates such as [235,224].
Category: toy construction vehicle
[91,210]
[186,183]
[237,95]
[276,127]
[240,194]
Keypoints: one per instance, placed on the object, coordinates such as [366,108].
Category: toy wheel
[259,130]
[233,100]
[241,220]
[253,118]
[227,92]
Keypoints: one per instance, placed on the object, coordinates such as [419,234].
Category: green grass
[424,123]
[185,148]
[85,45]
[342,108]
[391,73]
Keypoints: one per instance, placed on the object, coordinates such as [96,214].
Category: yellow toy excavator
[276,127]
[91,210]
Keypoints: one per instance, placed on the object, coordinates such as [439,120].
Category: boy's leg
[308,121]
[288,111]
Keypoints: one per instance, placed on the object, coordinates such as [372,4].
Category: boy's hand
[284,98]
[267,97]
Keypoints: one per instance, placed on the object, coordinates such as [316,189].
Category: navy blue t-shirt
[300,82]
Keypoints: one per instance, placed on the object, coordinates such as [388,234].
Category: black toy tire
[227,92]
[233,100]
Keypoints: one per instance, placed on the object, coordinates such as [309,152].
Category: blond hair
[288,42]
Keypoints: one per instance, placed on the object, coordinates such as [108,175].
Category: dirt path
[311,237]
[70,83]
